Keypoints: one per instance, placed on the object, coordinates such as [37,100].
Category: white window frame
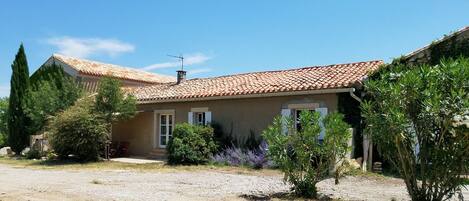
[200,116]
[157,143]
[293,109]
[296,117]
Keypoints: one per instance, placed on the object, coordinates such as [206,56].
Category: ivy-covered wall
[452,46]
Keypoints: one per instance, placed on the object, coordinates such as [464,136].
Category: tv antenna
[179,57]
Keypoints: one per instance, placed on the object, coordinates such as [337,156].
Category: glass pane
[163,131]
[170,130]
[170,119]
[163,119]
[163,140]
[203,118]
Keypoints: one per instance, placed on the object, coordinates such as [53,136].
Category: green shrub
[300,155]
[34,154]
[191,144]
[3,122]
[418,116]
[78,131]
[3,140]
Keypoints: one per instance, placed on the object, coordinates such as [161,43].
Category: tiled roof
[95,68]
[294,80]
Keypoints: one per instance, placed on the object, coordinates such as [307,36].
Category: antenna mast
[179,57]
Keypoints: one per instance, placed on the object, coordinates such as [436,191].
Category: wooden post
[365,153]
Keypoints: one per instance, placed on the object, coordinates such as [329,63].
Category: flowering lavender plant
[235,156]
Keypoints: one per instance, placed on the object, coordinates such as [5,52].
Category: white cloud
[199,70]
[188,60]
[86,47]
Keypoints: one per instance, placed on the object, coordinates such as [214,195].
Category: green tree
[112,103]
[3,121]
[419,119]
[18,137]
[51,91]
[303,158]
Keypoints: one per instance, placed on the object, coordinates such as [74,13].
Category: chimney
[181,76]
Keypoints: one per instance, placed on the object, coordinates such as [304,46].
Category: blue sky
[222,37]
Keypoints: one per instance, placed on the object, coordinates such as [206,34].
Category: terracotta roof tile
[95,68]
[301,79]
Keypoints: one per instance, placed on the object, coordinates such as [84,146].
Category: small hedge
[191,144]
[79,132]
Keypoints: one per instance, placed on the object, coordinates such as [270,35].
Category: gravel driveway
[19,183]
[33,184]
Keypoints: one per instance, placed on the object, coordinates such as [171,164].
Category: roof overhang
[262,95]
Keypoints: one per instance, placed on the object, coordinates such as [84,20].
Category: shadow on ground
[279,196]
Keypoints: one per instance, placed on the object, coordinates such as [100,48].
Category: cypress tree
[18,137]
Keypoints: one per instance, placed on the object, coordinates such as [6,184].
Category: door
[165,129]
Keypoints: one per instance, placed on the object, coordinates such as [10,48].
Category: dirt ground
[22,183]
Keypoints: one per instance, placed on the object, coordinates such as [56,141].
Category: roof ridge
[290,69]
[57,56]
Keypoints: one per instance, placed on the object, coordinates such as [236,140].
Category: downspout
[354,96]
[367,142]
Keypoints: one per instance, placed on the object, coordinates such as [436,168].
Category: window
[297,113]
[199,118]
[166,129]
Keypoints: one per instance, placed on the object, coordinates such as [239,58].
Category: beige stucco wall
[239,116]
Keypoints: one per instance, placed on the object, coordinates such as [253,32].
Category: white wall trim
[168,111]
[199,109]
[303,106]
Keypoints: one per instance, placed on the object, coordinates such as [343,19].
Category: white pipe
[354,96]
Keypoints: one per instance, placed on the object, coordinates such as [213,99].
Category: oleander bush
[418,116]
[301,155]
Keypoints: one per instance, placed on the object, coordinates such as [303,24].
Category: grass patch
[111,165]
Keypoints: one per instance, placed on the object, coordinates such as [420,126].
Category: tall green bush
[419,119]
[191,144]
[301,156]
[18,136]
[78,131]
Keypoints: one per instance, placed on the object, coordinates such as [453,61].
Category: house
[240,105]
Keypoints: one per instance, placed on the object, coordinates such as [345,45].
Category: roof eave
[260,95]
